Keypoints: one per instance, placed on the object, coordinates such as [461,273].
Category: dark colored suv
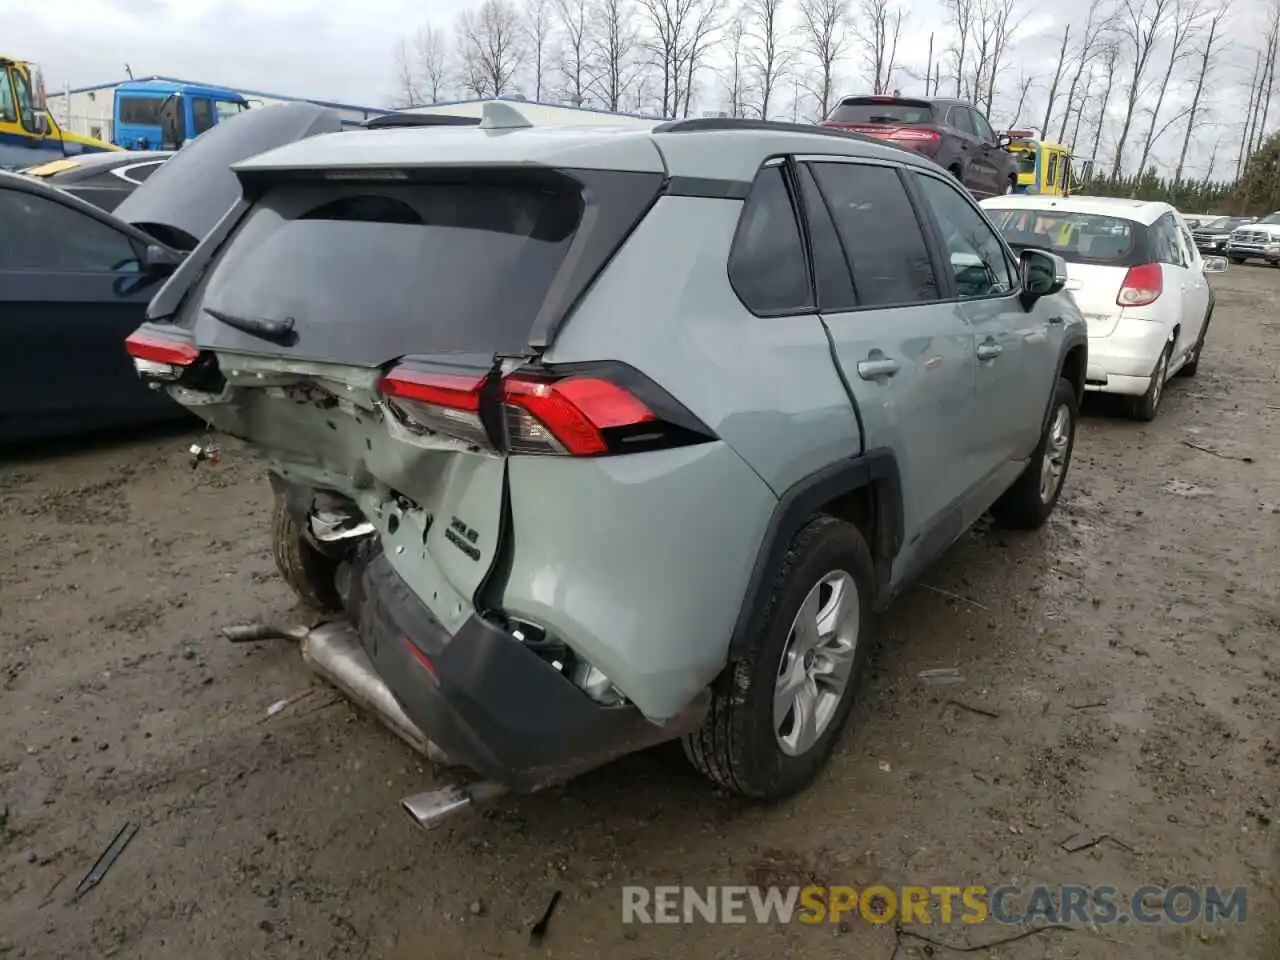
[951,133]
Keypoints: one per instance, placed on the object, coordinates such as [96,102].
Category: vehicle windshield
[1076,237]
[881,110]
[227,109]
[1273,218]
[1222,223]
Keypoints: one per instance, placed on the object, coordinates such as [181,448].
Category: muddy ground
[1128,656]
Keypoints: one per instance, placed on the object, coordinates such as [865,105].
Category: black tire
[1236,260]
[1146,407]
[737,746]
[1022,507]
[307,571]
[1190,368]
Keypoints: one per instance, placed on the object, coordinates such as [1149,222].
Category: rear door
[71,290]
[976,175]
[905,351]
[1195,295]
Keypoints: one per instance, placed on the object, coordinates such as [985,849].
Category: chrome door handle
[989,351]
[880,367]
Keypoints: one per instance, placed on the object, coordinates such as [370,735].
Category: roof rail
[706,124]
[418,120]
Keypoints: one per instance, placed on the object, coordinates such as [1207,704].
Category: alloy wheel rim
[1157,388]
[1055,453]
[817,663]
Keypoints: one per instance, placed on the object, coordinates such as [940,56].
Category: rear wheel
[777,713]
[1237,260]
[1147,406]
[307,571]
[1030,501]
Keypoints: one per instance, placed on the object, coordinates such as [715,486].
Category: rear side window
[1168,245]
[202,114]
[374,271]
[882,110]
[43,236]
[767,265]
[880,233]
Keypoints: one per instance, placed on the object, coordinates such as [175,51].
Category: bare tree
[1187,15]
[877,27]
[768,57]
[1206,62]
[702,35]
[1267,79]
[431,55]
[734,73]
[576,49]
[1025,82]
[406,94]
[824,38]
[614,40]
[1141,27]
[1246,136]
[490,47]
[1057,78]
[962,13]
[539,28]
[1100,20]
[675,29]
[995,32]
[1110,64]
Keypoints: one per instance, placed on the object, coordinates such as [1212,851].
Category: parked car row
[431,334]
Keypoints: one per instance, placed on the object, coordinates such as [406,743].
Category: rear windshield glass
[879,110]
[1076,237]
[372,272]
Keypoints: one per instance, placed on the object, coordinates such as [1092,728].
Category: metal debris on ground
[941,676]
[280,705]
[257,632]
[955,596]
[1216,453]
[540,928]
[1089,838]
[980,711]
[105,861]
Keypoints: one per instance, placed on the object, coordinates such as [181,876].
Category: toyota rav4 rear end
[374,318]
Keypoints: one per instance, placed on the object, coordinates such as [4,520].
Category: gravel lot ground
[1130,654]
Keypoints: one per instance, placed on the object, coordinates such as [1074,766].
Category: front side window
[42,235]
[23,91]
[1051,177]
[767,264]
[880,233]
[982,128]
[8,113]
[978,261]
[960,119]
[201,114]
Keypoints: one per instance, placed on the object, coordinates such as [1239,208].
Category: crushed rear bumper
[486,698]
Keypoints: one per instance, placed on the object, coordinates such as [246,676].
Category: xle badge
[463,537]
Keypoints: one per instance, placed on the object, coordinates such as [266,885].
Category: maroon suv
[952,133]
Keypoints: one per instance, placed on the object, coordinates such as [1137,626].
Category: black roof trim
[419,120]
[707,124]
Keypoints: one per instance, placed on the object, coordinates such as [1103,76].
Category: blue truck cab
[141,108]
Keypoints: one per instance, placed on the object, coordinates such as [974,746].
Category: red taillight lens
[1142,285]
[540,414]
[552,416]
[159,357]
[445,403]
[914,135]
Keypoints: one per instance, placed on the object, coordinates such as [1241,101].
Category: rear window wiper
[280,331]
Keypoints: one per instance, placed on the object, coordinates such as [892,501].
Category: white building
[540,114]
[88,110]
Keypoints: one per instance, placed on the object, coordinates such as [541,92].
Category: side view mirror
[1043,274]
[160,261]
[1215,264]
[1003,142]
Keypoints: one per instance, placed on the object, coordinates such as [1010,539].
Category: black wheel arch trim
[876,469]
[1067,346]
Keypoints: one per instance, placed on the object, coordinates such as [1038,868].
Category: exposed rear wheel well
[857,507]
[1073,370]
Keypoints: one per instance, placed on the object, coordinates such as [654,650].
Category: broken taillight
[573,415]
[159,358]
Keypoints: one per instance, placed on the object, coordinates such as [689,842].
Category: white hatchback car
[1136,275]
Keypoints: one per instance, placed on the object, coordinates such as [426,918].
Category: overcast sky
[342,49]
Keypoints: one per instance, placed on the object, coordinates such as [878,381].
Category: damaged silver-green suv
[590,438]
